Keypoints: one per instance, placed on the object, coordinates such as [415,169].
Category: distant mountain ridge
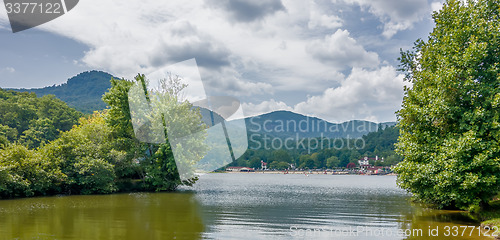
[285,124]
[82,92]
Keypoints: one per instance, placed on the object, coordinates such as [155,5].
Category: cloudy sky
[334,59]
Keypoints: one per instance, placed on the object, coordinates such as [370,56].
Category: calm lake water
[239,206]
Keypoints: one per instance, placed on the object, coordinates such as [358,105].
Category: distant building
[365,162]
[240,169]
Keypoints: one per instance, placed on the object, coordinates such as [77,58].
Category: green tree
[40,131]
[392,160]
[332,162]
[7,135]
[255,162]
[450,118]
[316,159]
[281,156]
[306,161]
[158,166]
[86,157]
[120,123]
[94,176]
[279,165]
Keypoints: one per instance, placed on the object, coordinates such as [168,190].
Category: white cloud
[436,6]
[397,15]
[230,82]
[181,40]
[370,95]
[323,20]
[251,109]
[342,51]
[8,70]
[319,19]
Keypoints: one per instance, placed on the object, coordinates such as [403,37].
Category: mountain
[284,124]
[82,92]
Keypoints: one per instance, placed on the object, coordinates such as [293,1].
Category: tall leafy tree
[159,169]
[450,118]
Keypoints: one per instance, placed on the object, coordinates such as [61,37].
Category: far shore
[305,172]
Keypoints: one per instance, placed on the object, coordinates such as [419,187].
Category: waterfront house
[365,162]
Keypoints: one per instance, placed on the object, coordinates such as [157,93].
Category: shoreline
[305,172]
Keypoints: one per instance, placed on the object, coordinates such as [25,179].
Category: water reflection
[278,206]
[120,216]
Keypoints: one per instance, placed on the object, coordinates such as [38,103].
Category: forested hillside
[33,121]
[83,91]
[314,153]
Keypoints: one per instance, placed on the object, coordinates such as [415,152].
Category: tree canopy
[33,121]
[450,117]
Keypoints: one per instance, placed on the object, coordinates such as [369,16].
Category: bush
[94,176]
[25,173]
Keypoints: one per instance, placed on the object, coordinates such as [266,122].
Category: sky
[332,59]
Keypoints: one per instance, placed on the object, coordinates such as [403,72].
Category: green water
[238,206]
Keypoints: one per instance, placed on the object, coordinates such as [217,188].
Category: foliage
[281,156]
[33,121]
[94,176]
[158,167]
[40,131]
[7,135]
[161,172]
[85,155]
[25,173]
[450,119]
[332,162]
[306,162]
[279,165]
[118,117]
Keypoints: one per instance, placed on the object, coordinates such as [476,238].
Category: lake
[240,206]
